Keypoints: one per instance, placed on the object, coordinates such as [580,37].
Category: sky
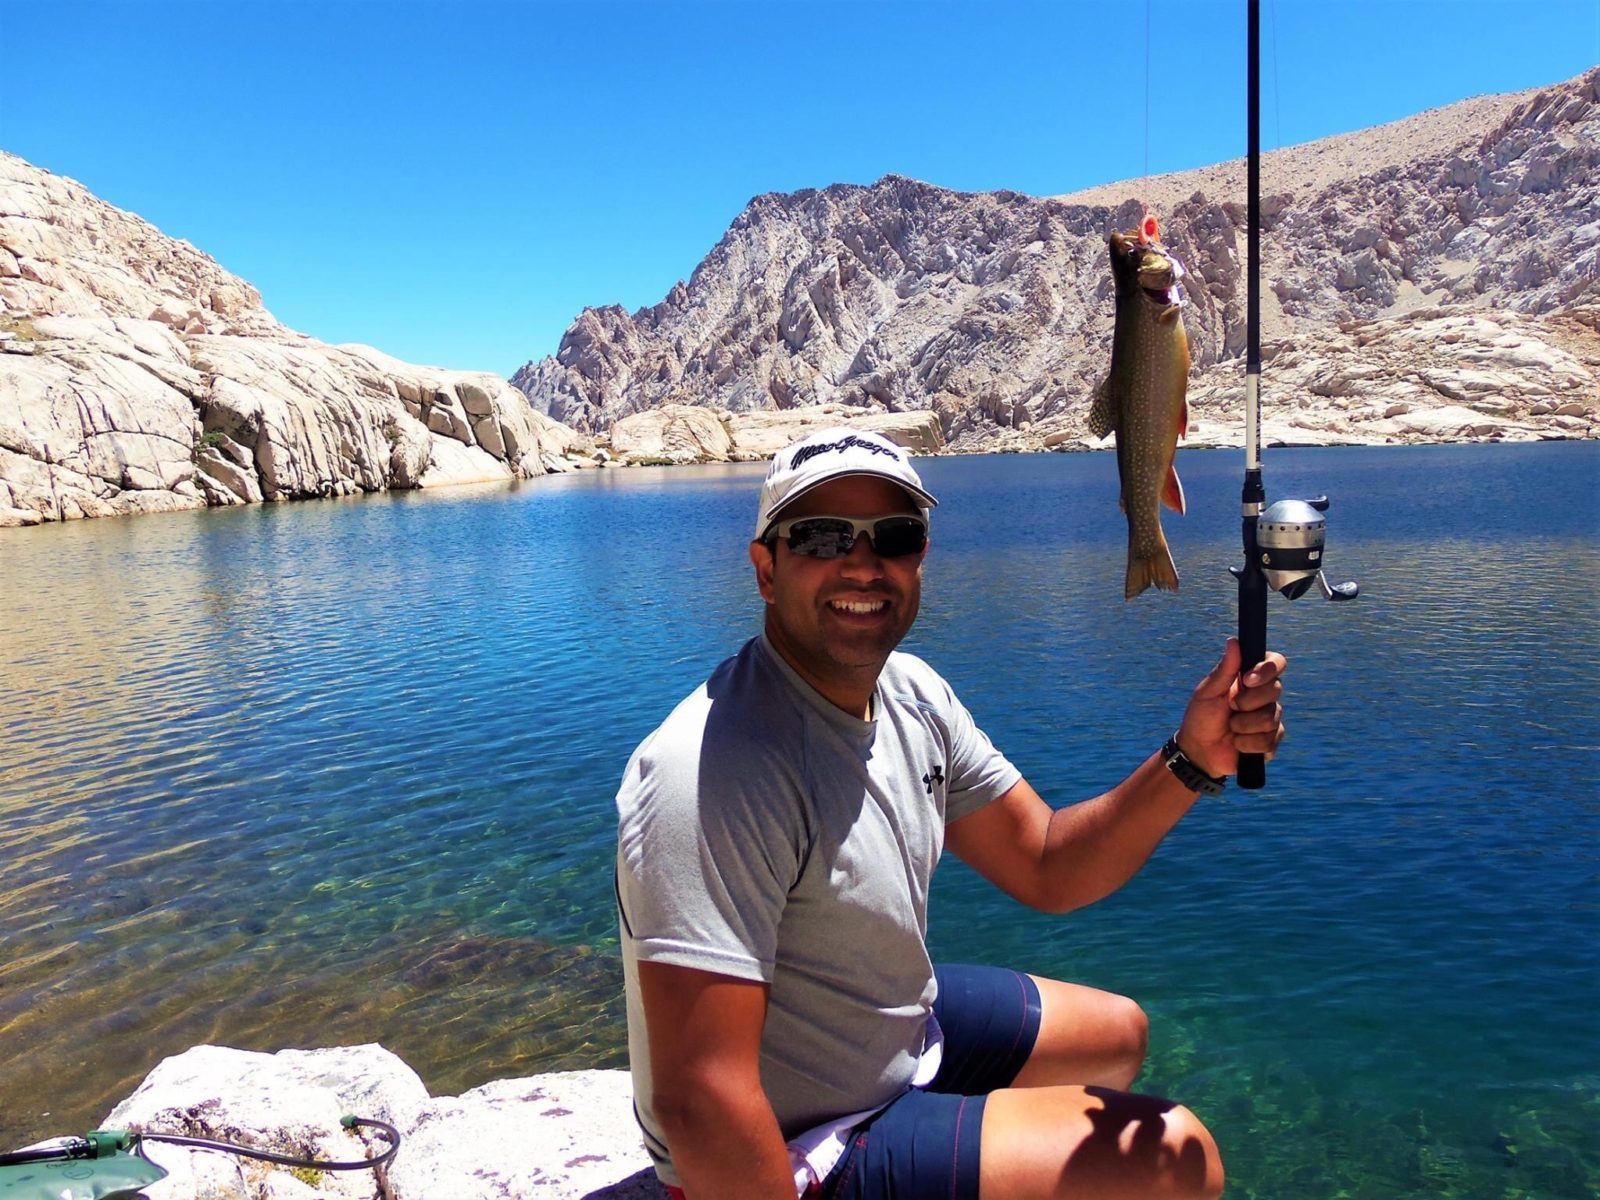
[452,181]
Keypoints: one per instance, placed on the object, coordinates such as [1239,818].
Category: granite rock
[683,433]
[759,435]
[561,1136]
[994,310]
[128,359]
[677,433]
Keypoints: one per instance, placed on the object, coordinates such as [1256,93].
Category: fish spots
[1144,399]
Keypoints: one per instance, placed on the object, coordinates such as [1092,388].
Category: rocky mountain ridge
[137,375]
[1480,221]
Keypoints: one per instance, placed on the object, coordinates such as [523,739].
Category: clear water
[342,771]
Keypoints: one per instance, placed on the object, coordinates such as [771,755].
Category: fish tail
[1157,570]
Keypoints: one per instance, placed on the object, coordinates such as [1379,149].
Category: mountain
[1433,279]
[136,375]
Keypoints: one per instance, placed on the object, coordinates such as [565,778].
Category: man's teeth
[859,606]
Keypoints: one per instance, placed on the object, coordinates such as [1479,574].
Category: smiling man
[788,1032]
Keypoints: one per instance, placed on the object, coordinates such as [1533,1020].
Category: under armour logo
[933,777]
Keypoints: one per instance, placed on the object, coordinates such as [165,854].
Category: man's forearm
[1095,847]
[726,1145]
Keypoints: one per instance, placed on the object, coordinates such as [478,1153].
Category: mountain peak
[993,308]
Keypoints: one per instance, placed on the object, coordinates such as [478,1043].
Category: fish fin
[1157,570]
[1103,413]
[1172,494]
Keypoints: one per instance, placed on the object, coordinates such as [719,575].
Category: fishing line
[1277,101]
[1145,185]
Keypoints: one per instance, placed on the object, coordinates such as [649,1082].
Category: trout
[1144,398]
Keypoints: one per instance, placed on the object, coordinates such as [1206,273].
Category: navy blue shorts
[926,1143]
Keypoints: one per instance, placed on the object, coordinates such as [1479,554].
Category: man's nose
[863,557]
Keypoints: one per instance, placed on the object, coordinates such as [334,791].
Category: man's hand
[1230,715]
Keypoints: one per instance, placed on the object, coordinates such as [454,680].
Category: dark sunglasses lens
[829,537]
[895,537]
[822,538]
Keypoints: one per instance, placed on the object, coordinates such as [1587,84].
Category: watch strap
[1191,776]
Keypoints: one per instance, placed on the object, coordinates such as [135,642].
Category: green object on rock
[104,1165]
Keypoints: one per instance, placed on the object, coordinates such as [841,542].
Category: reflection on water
[342,772]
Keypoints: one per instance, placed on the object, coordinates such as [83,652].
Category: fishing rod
[1282,543]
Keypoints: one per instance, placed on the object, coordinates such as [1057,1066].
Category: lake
[343,771]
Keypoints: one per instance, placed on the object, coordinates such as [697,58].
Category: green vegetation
[309,1176]
[208,439]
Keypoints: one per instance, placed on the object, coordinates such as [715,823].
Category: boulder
[570,1134]
[760,435]
[561,1136]
[288,1103]
[678,433]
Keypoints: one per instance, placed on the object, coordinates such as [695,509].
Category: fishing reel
[1289,537]
[1283,551]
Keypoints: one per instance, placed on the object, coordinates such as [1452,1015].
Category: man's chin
[864,649]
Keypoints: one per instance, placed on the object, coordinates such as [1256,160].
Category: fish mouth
[1158,280]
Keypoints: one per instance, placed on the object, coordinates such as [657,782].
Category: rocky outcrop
[561,1136]
[1432,375]
[994,310]
[136,375]
[686,433]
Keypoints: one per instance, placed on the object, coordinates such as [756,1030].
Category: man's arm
[705,1046]
[1058,860]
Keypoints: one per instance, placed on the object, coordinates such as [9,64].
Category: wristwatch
[1191,776]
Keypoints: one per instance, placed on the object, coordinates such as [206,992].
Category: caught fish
[1144,398]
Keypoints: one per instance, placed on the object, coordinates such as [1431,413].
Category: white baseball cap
[833,454]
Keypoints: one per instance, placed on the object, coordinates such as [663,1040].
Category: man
[787,1030]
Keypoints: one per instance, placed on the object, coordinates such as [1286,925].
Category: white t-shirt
[765,834]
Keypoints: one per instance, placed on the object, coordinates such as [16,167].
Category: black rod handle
[1252,772]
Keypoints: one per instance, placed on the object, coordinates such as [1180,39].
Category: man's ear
[764,557]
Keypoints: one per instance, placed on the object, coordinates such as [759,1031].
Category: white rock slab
[287,1103]
[562,1136]
[565,1135]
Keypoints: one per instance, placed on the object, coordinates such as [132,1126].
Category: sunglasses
[834,537]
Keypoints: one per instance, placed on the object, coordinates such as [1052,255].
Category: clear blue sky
[453,182]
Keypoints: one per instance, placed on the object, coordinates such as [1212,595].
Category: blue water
[342,771]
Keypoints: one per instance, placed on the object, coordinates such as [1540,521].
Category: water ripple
[348,767]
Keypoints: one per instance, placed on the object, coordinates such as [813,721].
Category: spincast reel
[1289,537]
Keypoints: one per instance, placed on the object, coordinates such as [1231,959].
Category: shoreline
[1205,437]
